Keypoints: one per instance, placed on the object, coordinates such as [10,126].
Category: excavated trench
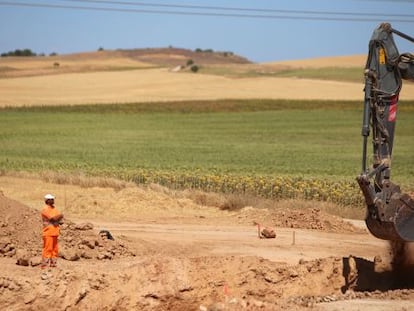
[381,275]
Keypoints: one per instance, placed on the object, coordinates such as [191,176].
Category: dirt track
[189,257]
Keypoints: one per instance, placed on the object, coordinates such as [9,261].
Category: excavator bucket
[396,222]
[404,219]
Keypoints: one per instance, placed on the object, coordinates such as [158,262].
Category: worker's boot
[53,262]
[45,263]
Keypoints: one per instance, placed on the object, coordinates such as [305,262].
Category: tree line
[24,52]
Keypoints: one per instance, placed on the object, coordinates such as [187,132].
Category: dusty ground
[169,253]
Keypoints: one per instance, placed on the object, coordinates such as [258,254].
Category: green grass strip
[314,143]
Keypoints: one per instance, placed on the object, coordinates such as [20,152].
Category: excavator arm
[390,213]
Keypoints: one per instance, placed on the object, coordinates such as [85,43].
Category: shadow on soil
[364,275]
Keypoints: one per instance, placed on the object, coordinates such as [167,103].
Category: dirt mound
[299,218]
[215,283]
[21,228]
[20,236]
[180,283]
[209,283]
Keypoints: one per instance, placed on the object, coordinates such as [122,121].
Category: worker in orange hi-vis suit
[51,218]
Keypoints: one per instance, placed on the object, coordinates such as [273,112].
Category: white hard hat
[49,196]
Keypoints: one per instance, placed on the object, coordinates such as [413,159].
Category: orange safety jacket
[50,227]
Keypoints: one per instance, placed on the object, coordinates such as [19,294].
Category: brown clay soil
[170,253]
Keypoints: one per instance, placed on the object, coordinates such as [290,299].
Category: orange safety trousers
[50,247]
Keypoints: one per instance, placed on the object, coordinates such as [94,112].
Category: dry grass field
[339,61]
[162,85]
[98,78]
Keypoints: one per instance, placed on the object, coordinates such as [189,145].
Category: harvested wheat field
[322,62]
[162,85]
[116,78]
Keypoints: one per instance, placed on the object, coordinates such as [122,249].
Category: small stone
[84,226]
[35,261]
[219,306]
[68,254]
[23,258]
[29,298]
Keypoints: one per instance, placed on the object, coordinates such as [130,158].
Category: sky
[260,30]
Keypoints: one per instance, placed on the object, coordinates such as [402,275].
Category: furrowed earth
[170,253]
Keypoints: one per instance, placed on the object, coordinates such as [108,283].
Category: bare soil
[169,253]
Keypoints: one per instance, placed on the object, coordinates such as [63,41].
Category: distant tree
[18,52]
[100,49]
[28,52]
[198,50]
[194,68]
[190,62]
[53,54]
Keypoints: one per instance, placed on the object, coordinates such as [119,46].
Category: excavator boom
[390,213]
